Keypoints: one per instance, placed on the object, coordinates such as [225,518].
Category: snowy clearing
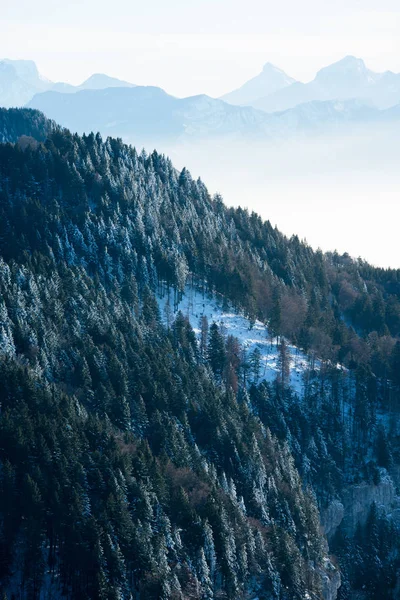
[194,304]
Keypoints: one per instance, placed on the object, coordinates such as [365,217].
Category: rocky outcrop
[354,508]
[330,580]
[331,517]
[356,503]
[358,499]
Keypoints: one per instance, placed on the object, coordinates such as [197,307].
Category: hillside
[144,454]
[134,464]
[15,123]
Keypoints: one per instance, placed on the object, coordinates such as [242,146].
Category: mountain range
[348,78]
[20,80]
[269,106]
[149,116]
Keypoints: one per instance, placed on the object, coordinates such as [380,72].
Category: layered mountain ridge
[148,116]
[346,79]
[20,80]
[270,106]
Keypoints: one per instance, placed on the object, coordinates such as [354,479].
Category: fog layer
[337,192]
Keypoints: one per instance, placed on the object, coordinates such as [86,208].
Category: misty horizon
[348,209]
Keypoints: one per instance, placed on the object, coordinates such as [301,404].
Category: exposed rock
[356,503]
[358,499]
[354,508]
[331,517]
[330,579]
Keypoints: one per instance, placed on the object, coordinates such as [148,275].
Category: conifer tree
[216,350]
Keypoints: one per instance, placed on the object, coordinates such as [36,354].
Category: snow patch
[195,304]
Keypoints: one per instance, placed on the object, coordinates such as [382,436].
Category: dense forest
[16,124]
[138,461]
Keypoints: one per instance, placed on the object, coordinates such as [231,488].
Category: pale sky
[189,47]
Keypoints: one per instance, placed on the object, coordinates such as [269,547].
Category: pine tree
[216,350]
[383,451]
[255,362]
[283,363]
[275,316]
[203,326]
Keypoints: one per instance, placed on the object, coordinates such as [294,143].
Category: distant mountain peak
[270,67]
[96,77]
[27,71]
[22,65]
[268,81]
[101,80]
[345,79]
[351,60]
[348,66]
[19,81]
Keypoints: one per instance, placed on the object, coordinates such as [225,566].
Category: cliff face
[331,517]
[330,580]
[359,498]
[354,508]
[356,503]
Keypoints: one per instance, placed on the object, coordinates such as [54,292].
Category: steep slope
[15,123]
[346,79]
[253,337]
[268,81]
[128,466]
[137,459]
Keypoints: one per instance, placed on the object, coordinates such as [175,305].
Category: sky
[189,47]
[337,192]
[203,46]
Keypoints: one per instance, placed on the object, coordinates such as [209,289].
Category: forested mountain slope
[138,462]
[15,123]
